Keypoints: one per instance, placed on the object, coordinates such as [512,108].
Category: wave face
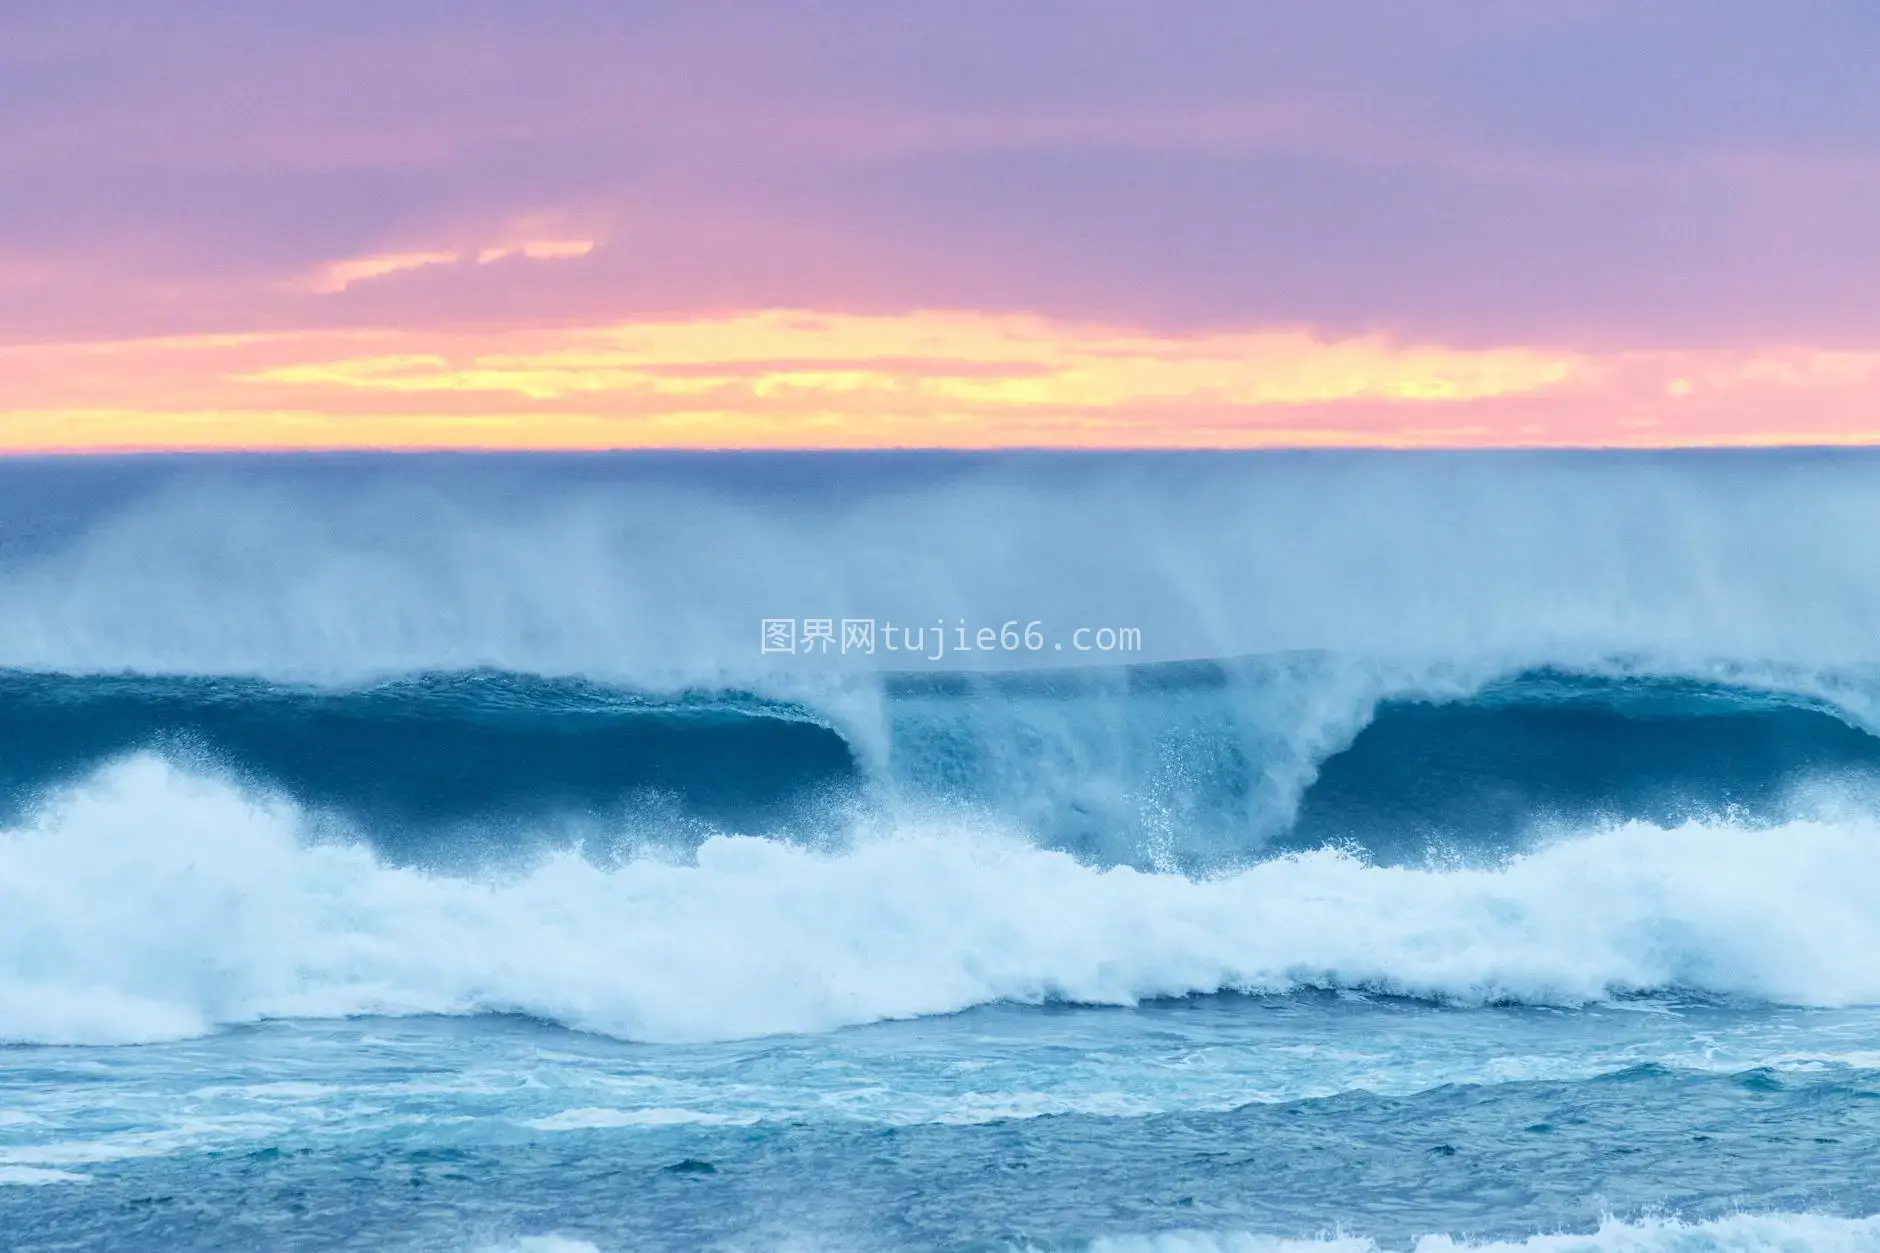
[1190,767]
[1556,750]
[426,764]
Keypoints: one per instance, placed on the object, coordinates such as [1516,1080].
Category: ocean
[1175,853]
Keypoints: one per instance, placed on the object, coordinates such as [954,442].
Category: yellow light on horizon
[956,378]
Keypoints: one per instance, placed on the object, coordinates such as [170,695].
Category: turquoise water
[421,854]
[996,1127]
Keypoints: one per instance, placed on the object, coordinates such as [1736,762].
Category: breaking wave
[1193,767]
[149,903]
[455,735]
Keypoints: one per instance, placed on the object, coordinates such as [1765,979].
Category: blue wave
[1153,765]
[1561,750]
[402,760]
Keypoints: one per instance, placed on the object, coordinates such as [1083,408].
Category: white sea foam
[152,904]
[592,1118]
[1747,1233]
[550,1243]
[33,1176]
[1775,1233]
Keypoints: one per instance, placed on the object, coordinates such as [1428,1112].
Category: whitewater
[426,852]
[222,912]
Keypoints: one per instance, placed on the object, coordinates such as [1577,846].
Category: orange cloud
[539,250]
[784,378]
[337,276]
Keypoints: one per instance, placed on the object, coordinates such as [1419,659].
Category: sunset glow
[571,231]
[790,378]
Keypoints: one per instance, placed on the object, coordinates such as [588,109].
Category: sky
[1193,223]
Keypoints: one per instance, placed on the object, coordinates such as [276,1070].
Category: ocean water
[1255,852]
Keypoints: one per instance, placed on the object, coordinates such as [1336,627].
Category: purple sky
[1603,175]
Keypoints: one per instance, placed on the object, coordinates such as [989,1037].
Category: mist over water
[654,570]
